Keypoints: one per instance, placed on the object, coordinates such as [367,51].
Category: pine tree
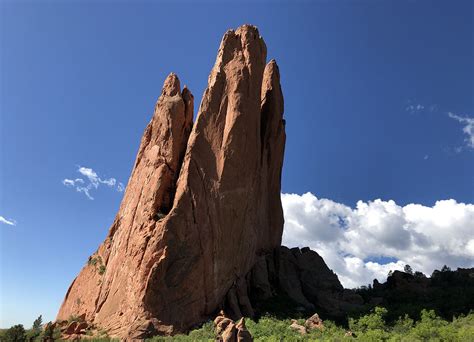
[38,323]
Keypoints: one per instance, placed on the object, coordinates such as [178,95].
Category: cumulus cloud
[91,181]
[468,128]
[366,242]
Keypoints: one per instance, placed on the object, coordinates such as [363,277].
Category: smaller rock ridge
[170,128]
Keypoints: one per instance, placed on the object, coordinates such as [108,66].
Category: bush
[371,327]
[205,333]
[373,321]
[16,333]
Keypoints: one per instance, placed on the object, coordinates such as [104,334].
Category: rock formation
[201,205]
[449,292]
[301,280]
[227,330]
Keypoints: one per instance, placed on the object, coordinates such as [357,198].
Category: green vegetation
[75,318]
[205,333]
[101,269]
[97,263]
[14,334]
[371,327]
[449,293]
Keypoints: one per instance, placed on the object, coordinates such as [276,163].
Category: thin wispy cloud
[91,181]
[468,128]
[414,108]
[10,222]
[466,121]
[354,241]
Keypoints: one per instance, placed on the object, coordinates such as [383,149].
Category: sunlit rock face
[202,203]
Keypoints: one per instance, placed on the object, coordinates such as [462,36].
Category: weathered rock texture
[203,201]
[299,280]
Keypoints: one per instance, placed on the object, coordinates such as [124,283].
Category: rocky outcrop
[313,322]
[228,331]
[297,278]
[202,202]
[449,292]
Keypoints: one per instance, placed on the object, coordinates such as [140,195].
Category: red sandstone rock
[81,327]
[297,327]
[229,331]
[71,328]
[202,202]
[314,322]
[229,334]
[243,335]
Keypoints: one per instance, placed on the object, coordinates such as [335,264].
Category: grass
[367,328]
[371,327]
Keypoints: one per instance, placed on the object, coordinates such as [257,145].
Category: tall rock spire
[200,206]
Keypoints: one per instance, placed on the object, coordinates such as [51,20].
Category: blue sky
[368,86]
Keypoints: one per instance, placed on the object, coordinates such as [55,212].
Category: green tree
[15,334]
[408,269]
[446,269]
[35,330]
[38,323]
[371,321]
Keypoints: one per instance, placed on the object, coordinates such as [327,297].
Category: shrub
[373,321]
[16,333]
[204,333]
[101,269]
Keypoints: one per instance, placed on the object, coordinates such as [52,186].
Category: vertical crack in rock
[202,203]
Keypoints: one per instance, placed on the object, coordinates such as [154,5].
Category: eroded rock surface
[298,279]
[228,331]
[202,202]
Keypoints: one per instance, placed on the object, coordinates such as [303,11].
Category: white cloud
[415,108]
[353,242]
[93,180]
[68,182]
[468,128]
[10,222]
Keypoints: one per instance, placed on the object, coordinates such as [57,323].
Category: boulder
[71,328]
[297,327]
[229,334]
[314,322]
[81,328]
[243,335]
[222,324]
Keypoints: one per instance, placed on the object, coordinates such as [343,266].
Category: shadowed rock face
[203,201]
[301,278]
